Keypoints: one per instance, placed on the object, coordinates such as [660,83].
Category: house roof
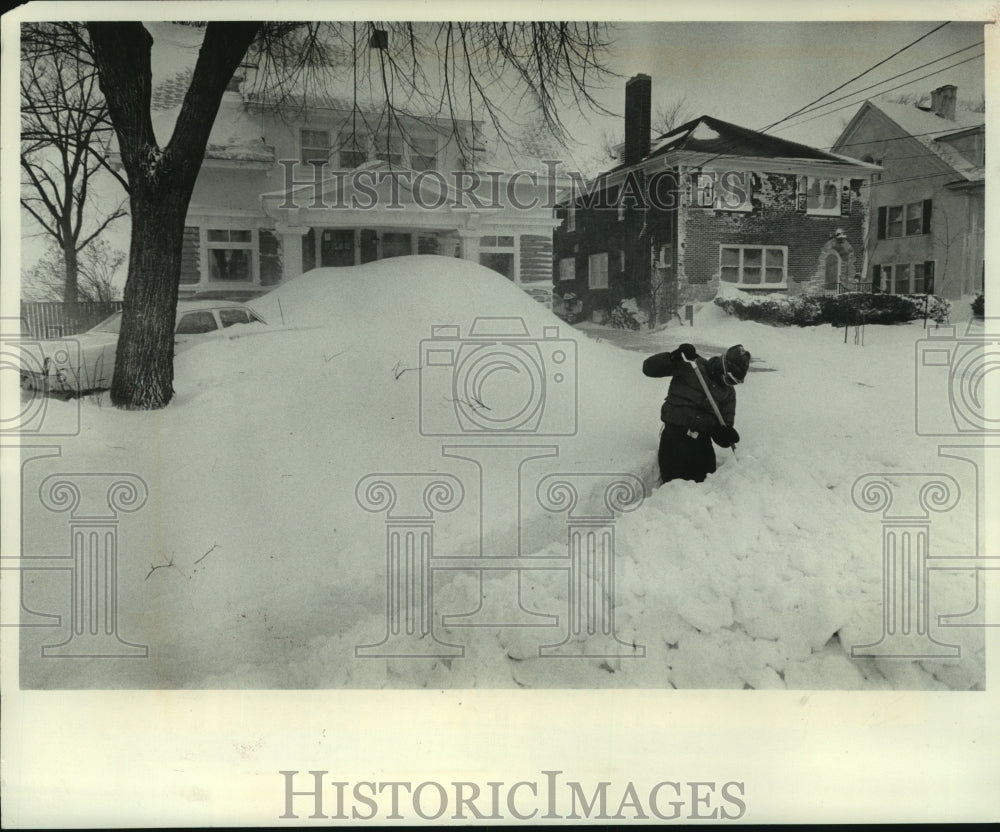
[236,133]
[711,135]
[235,137]
[714,137]
[928,128]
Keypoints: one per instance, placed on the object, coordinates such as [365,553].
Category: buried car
[86,361]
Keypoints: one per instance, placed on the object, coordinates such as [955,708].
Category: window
[230,254]
[908,220]
[497,252]
[567,268]
[571,218]
[389,148]
[315,146]
[194,323]
[597,271]
[904,278]
[395,244]
[822,196]
[756,266]
[733,191]
[423,154]
[353,148]
[233,316]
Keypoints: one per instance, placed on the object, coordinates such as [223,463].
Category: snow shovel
[711,398]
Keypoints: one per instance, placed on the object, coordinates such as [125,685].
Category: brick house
[272,199]
[707,204]
[928,202]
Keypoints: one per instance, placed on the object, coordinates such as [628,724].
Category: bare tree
[668,115]
[99,266]
[64,140]
[466,63]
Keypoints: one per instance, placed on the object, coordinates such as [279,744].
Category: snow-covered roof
[706,134]
[236,133]
[928,128]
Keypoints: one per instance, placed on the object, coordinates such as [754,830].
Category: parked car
[86,361]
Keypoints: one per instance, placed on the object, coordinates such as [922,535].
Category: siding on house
[191,255]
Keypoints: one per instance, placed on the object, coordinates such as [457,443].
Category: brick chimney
[943,101]
[638,94]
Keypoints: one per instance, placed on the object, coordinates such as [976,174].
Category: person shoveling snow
[700,408]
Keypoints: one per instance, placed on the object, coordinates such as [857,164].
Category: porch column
[470,245]
[291,249]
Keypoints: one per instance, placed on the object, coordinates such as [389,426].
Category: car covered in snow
[86,361]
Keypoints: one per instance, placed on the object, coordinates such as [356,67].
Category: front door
[336,247]
[369,245]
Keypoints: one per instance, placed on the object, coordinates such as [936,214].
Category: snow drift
[253,564]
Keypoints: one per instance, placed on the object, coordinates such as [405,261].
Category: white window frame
[719,202]
[209,245]
[904,211]
[350,142]
[303,147]
[388,146]
[567,268]
[597,278]
[418,149]
[889,273]
[763,254]
[820,210]
[513,248]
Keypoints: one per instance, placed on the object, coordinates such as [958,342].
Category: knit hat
[735,363]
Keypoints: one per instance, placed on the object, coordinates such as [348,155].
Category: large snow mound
[254,562]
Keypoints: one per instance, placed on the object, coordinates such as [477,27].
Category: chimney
[638,93]
[943,101]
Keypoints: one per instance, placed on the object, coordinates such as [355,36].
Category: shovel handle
[709,396]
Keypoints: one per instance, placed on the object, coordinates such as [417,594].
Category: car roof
[188,305]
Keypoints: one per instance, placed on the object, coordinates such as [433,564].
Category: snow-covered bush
[979,305]
[846,308]
[627,315]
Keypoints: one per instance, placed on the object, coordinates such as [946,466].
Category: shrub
[844,309]
[627,315]
[979,306]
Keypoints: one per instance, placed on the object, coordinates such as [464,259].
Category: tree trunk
[161,181]
[71,292]
[144,362]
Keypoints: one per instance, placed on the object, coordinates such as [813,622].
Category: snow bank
[252,563]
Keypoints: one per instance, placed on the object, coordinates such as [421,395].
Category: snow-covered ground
[252,563]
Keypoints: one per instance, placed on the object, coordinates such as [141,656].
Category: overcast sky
[755,74]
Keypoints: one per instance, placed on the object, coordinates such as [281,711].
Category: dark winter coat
[686,404]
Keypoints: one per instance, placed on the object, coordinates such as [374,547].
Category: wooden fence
[51,319]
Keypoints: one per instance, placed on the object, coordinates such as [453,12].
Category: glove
[687,351]
[725,436]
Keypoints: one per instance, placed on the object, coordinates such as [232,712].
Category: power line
[841,86]
[891,89]
[899,75]
[856,77]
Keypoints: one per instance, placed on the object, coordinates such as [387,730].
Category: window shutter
[883,218]
[927,217]
[876,279]
[929,275]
